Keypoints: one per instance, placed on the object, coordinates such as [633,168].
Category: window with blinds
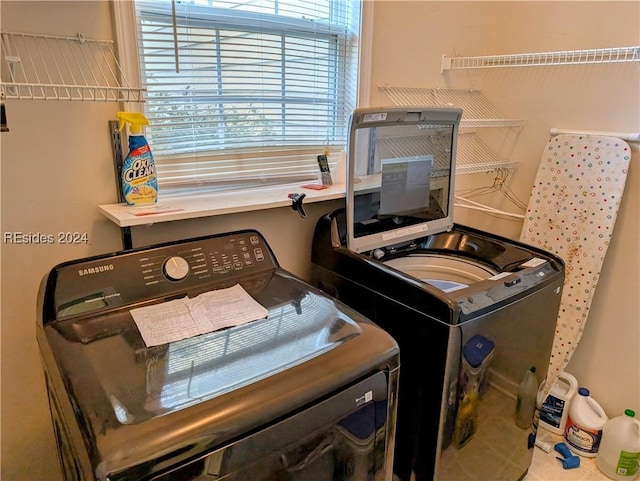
[246,93]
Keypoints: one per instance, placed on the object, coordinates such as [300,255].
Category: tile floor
[478,459]
[497,451]
[545,466]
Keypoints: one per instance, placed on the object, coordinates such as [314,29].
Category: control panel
[205,259]
[91,285]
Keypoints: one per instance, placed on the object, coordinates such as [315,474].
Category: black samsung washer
[306,393]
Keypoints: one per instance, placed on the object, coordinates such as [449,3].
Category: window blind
[246,93]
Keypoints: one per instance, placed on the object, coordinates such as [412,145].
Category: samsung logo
[95,270]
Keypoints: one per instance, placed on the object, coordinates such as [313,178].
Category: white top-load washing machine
[305,393]
[471,311]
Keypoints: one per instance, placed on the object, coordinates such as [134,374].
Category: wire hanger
[499,185]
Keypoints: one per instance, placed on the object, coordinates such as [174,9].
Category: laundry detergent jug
[554,409]
[584,424]
[619,452]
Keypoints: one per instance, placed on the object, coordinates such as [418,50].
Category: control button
[258,253]
[512,282]
[176,268]
[378,254]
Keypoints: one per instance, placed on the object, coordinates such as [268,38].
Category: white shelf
[47,67]
[563,57]
[477,111]
[172,209]
[474,156]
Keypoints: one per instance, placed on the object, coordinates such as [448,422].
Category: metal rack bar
[563,57]
[50,67]
[629,136]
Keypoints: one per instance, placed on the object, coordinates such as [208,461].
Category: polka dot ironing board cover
[572,210]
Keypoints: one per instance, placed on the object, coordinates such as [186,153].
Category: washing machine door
[444,272]
[400,174]
[305,447]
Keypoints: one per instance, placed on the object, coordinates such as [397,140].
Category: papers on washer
[183,318]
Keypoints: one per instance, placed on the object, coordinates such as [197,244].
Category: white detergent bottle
[619,452]
[554,410]
[583,431]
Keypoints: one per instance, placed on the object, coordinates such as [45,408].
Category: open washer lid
[400,174]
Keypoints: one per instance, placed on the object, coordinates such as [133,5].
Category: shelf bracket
[445,64]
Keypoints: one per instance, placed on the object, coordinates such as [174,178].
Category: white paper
[499,276]
[405,184]
[184,318]
[535,262]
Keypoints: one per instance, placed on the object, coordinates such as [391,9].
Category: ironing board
[572,210]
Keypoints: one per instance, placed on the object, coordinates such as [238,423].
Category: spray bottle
[139,181]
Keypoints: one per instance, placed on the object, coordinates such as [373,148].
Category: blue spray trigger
[570,461]
[531,440]
[563,449]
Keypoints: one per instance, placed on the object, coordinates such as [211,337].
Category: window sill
[214,204]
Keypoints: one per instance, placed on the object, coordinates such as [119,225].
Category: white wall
[56,168]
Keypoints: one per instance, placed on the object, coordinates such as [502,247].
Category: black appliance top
[519,269]
[132,400]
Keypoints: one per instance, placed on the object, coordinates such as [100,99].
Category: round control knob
[176,268]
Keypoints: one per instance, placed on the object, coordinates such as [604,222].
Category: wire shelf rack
[475,156]
[563,57]
[47,67]
[477,111]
